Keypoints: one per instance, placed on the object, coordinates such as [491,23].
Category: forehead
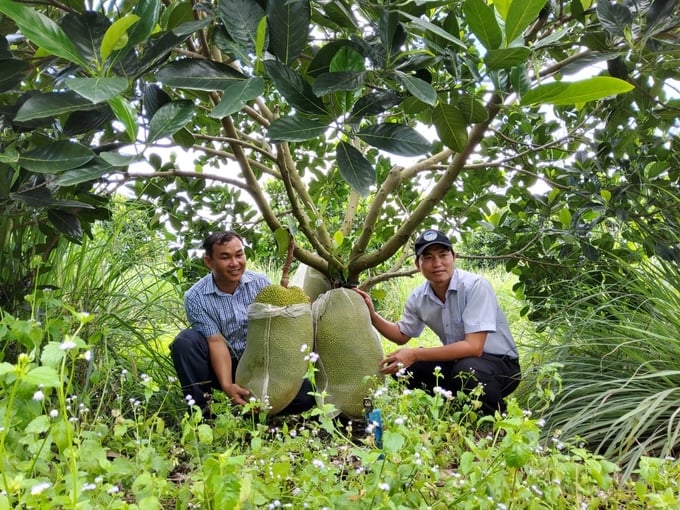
[233,247]
[436,248]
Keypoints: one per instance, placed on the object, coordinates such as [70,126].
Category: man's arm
[388,329]
[220,359]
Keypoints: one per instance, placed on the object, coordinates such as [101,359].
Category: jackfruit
[273,364]
[279,295]
[349,349]
[312,281]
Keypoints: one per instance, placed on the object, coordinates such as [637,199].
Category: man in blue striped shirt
[205,356]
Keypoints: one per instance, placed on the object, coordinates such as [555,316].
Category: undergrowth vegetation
[91,415]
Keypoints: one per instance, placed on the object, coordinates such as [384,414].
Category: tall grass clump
[618,352]
[124,277]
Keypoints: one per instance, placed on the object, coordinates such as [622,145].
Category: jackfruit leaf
[374,103]
[338,239]
[156,52]
[50,104]
[116,36]
[506,58]
[450,125]
[236,95]
[42,31]
[355,168]
[118,159]
[520,80]
[240,19]
[615,18]
[434,29]
[35,197]
[282,238]
[147,11]
[85,30]
[189,27]
[97,90]
[12,72]
[294,128]
[184,138]
[126,114]
[502,7]
[84,121]
[335,81]
[56,157]
[520,16]
[290,28]
[482,22]
[87,173]
[419,88]
[321,62]
[43,376]
[565,217]
[568,93]
[169,119]
[294,88]
[473,110]
[154,98]
[66,223]
[659,10]
[198,74]
[395,138]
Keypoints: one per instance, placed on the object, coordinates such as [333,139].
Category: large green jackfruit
[273,365]
[349,350]
[312,281]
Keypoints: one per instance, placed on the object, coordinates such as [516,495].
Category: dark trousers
[499,376]
[190,355]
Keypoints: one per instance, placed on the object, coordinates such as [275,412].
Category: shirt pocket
[458,330]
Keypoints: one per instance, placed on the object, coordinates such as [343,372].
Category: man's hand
[399,359]
[237,394]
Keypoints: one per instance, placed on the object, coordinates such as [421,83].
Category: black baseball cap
[430,237]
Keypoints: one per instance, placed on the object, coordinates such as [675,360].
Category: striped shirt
[211,311]
[471,307]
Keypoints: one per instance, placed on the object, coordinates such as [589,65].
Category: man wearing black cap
[462,309]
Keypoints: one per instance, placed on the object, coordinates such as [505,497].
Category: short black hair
[221,237]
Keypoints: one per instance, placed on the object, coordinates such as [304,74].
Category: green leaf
[289,28]
[97,89]
[419,88]
[569,93]
[521,14]
[294,88]
[374,103]
[236,95]
[126,113]
[88,173]
[294,128]
[198,74]
[147,11]
[282,237]
[431,27]
[6,368]
[337,81]
[116,36]
[169,119]
[65,222]
[565,217]
[43,376]
[506,58]
[451,126]
[355,168]
[12,73]
[482,21]
[395,138]
[240,19]
[42,31]
[56,157]
[51,104]
[473,111]
[615,18]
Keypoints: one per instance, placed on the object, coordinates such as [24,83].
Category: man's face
[227,262]
[436,263]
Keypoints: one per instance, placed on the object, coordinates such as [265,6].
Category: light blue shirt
[211,311]
[471,306]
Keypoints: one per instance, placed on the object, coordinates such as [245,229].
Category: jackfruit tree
[352,124]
